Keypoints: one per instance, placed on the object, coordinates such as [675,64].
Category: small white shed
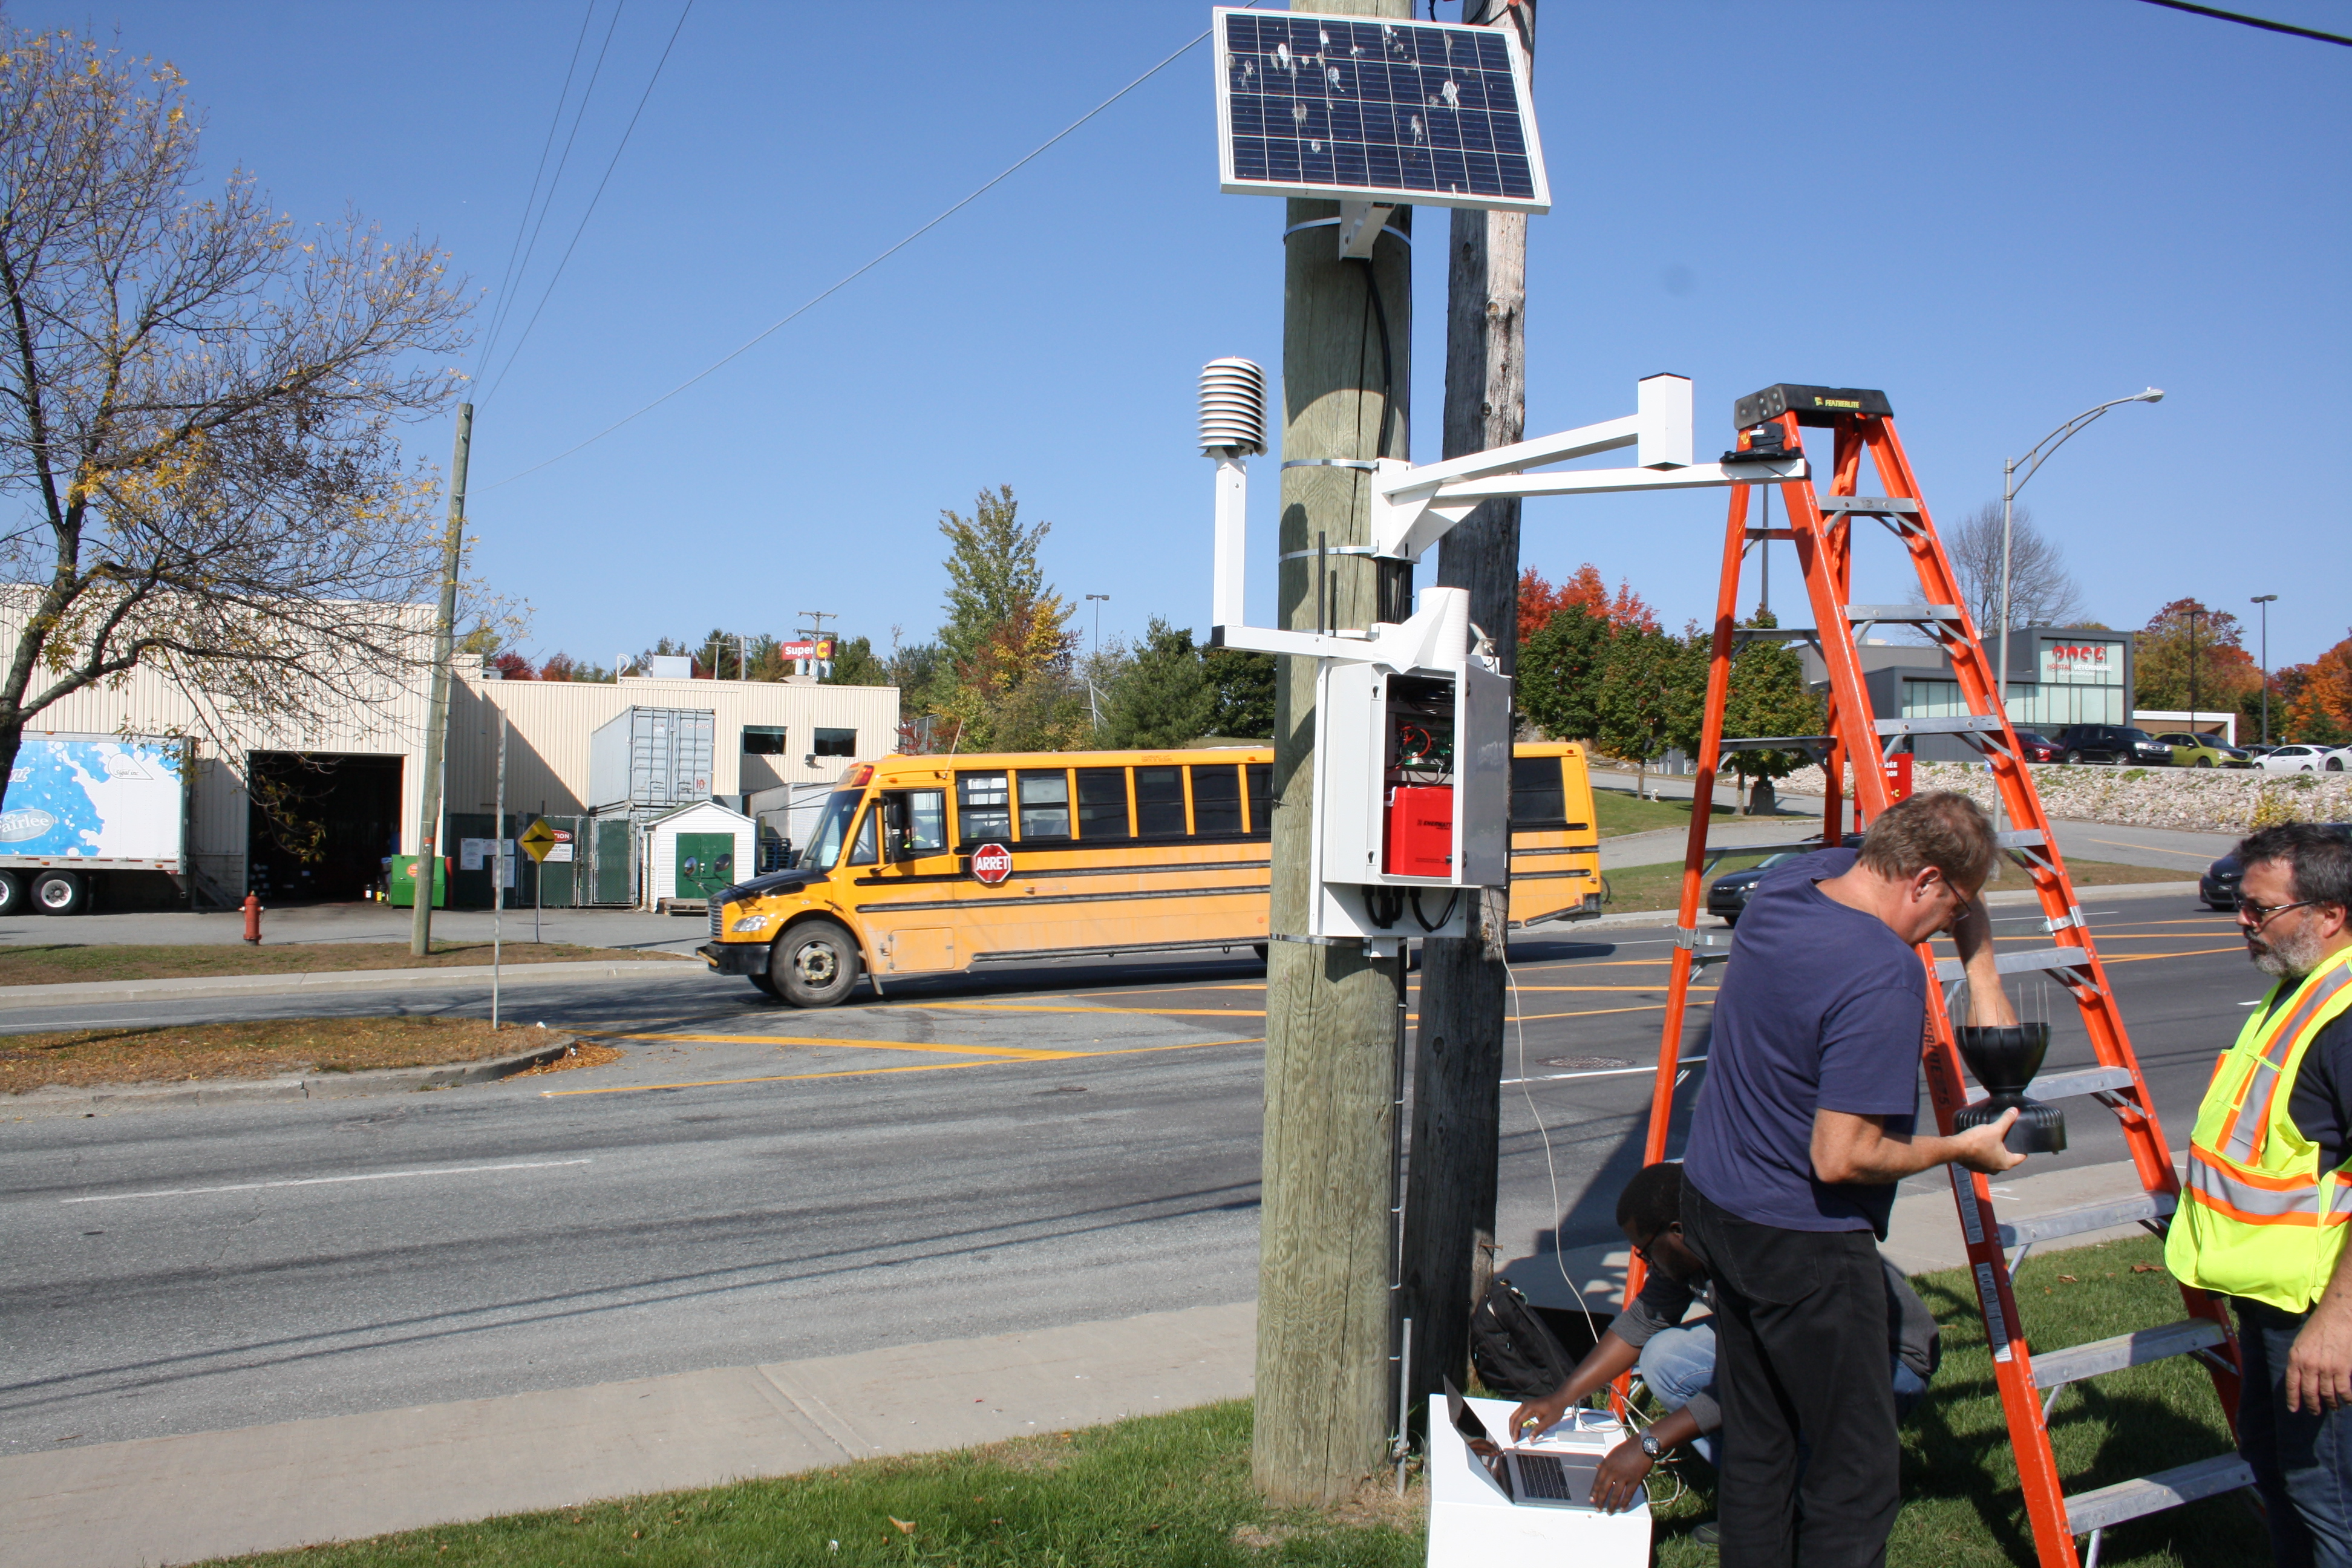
[694,851]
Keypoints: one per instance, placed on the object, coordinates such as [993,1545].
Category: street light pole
[1100,600]
[2038,454]
[2192,668]
[2265,601]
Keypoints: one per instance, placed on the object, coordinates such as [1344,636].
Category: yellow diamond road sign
[539,839]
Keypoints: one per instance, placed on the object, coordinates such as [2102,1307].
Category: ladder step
[1774,742]
[1965,723]
[2022,838]
[2023,963]
[1774,633]
[1867,506]
[2087,1512]
[2068,1085]
[2076,1363]
[1904,614]
[2104,1214]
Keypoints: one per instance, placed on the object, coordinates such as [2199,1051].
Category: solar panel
[1435,113]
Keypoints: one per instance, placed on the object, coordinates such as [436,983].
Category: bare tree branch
[2042,591]
[198,411]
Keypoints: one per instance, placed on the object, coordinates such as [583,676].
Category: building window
[836,743]
[763,740]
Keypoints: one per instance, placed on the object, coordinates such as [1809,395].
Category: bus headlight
[750,923]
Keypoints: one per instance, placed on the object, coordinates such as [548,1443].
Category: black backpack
[1515,1356]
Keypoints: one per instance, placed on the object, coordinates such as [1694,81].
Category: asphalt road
[754,1183]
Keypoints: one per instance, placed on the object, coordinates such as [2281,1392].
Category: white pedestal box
[1471,1524]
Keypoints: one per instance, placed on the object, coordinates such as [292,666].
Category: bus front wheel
[816,964]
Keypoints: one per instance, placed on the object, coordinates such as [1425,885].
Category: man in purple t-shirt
[1803,1126]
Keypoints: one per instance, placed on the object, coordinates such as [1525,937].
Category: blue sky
[2000,213]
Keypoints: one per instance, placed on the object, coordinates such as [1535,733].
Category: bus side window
[862,852]
[1217,799]
[1159,803]
[1044,805]
[916,823]
[1536,797]
[1261,799]
[1102,805]
[983,809]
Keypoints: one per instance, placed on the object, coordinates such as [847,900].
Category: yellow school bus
[929,865]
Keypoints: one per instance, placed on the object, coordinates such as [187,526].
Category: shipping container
[652,757]
[79,811]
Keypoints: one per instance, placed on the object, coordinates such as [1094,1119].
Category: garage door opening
[320,823]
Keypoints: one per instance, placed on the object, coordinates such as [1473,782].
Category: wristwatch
[1652,1447]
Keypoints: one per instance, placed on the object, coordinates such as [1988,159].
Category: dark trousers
[1800,1356]
[2302,1460]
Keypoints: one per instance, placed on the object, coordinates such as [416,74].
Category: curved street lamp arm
[2059,437]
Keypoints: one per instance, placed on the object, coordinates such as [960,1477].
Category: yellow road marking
[2145,957]
[2152,849]
[877,1072]
[1011,1053]
[1594,1011]
[1133,1012]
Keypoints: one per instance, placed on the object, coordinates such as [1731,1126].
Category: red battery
[1420,831]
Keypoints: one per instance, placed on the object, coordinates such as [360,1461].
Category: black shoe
[1705,1534]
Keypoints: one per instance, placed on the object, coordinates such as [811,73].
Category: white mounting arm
[1414,508]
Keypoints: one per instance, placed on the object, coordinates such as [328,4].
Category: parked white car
[2304,759]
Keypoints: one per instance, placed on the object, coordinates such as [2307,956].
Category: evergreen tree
[1243,684]
[1559,673]
[1164,700]
[994,573]
[854,664]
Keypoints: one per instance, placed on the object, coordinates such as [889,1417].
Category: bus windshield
[824,842]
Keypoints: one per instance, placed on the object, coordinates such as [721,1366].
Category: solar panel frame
[1468,135]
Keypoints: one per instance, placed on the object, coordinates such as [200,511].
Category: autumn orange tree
[2225,673]
[2313,702]
[197,412]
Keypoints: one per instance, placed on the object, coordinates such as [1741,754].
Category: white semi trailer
[79,809]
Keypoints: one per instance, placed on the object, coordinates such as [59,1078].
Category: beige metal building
[354,778]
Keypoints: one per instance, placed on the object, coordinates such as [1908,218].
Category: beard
[2288,957]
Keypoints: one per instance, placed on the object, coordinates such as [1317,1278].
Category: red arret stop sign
[991,863]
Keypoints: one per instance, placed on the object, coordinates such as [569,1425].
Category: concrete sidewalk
[175,1499]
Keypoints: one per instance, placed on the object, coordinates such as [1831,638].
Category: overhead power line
[2245,20]
[554,124]
[815,300]
[595,73]
[597,196]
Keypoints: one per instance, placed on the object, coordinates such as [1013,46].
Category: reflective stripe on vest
[2258,1217]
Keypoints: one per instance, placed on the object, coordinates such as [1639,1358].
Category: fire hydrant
[252,918]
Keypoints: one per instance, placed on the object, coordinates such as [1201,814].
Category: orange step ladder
[1820,527]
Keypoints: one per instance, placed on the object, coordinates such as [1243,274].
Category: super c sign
[991,863]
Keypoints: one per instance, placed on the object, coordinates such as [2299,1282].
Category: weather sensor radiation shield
[1358,109]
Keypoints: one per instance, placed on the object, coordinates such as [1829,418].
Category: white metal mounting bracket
[1359,228]
[1414,508]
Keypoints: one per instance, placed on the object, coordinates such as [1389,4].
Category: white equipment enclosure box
[1412,786]
[1474,1523]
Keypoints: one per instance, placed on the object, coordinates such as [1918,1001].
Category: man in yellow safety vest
[2270,1193]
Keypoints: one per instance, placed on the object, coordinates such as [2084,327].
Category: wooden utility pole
[1449,1208]
[437,710]
[1325,1383]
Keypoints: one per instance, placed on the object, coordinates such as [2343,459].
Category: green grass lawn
[1173,1491]
[1617,810]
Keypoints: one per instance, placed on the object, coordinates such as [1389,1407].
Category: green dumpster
[400,880]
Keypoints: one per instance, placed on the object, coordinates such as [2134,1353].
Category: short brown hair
[1941,828]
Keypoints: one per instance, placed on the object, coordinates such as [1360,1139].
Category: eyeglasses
[2259,915]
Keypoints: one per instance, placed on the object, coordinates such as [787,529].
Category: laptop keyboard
[1545,1477]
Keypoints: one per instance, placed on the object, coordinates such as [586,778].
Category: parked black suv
[2112,743]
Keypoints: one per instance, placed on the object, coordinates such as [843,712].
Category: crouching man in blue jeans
[1676,1360]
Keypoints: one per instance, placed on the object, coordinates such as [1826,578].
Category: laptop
[1529,1477]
